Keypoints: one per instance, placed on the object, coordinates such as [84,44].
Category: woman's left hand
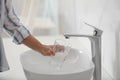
[57,48]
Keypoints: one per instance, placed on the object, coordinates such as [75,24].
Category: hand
[50,50]
[57,48]
[46,51]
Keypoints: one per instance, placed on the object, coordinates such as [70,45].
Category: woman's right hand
[46,51]
[34,44]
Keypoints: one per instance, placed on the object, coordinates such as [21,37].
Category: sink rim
[22,62]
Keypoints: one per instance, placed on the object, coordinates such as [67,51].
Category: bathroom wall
[103,14]
[40,16]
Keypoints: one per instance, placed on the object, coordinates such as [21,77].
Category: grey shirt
[11,24]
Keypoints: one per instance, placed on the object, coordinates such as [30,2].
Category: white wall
[104,14]
[67,17]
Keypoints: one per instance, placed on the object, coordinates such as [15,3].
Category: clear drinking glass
[62,48]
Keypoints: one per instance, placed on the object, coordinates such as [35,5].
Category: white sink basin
[37,67]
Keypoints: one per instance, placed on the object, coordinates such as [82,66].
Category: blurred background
[56,17]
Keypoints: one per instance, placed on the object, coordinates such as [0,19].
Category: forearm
[32,43]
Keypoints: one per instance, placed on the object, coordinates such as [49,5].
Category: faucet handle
[97,32]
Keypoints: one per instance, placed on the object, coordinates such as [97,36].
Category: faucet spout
[95,48]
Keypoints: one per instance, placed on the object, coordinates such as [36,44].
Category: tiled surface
[106,76]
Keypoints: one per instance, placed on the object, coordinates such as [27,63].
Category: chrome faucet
[95,48]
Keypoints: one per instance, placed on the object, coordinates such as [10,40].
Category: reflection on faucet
[96,48]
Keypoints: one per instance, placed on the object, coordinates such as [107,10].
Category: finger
[47,54]
[60,48]
[52,53]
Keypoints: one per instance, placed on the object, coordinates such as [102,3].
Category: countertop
[13,52]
